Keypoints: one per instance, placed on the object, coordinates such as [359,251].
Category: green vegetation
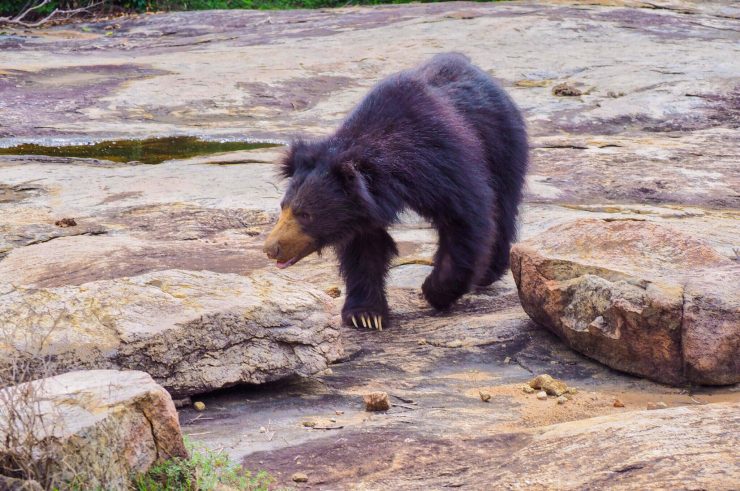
[13,7]
[203,471]
[151,151]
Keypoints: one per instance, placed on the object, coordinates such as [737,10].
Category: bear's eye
[302,215]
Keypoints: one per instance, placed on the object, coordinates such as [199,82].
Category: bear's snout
[288,243]
[272,249]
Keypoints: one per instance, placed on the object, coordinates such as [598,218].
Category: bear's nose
[272,249]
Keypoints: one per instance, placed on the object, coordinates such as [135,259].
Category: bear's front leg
[364,262]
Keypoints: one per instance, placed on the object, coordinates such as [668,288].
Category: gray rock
[192,331]
[96,428]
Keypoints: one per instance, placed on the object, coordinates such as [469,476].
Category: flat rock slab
[678,448]
[192,331]
[637,296]
[106,425]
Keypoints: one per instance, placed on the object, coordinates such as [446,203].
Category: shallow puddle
[149,151]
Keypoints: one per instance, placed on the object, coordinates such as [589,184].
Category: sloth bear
[442,139]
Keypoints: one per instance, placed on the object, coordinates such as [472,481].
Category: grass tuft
[205,470]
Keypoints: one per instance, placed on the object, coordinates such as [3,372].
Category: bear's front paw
[360,317]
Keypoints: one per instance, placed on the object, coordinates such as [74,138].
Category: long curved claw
[364,321]
[354,321]
[380,323]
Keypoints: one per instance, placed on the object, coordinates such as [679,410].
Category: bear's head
[327,202]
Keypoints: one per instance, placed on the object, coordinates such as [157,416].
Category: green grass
[203,471]
[10,7]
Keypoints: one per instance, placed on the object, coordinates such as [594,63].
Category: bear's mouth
[290,262]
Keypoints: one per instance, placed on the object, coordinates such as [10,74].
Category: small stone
[527,389]
[457,343]
[309,424]
[421,342]
[333,420]
[657,405]
[338,413]
[333,292]
[618,403]
[507,360]
[572,390]
[377,401]
[542,395]
[565,90]
[66,222]
[562,400]
[484,396]
[299,477]
[550,385]
[263,429]
[199,406]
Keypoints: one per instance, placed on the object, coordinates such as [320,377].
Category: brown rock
[550,385]
[376,401]
[299,477]
[618,403]
[484,396]
[636,296]
[199,406]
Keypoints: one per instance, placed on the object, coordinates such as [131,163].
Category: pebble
[309,424]
[527,389]
[562,400]
[376,401]
[542,395]
[199,406]
[507,360]
[299,477]
[263,429]
[338,413]
[618,403]
[334,292]
[484,396]
[550,385]
[657,405]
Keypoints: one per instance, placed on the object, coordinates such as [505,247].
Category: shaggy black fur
[442,139]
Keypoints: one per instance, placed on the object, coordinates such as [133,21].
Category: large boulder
[192,331]
[92,429]
[637,296]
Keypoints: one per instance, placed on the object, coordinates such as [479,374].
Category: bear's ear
[355,183]
[300,155]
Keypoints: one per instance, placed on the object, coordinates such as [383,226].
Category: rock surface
[652,138]
[639,297]
[106,425]
[192,331]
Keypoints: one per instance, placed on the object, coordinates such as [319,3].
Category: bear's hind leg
[463,251]
[364,263]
